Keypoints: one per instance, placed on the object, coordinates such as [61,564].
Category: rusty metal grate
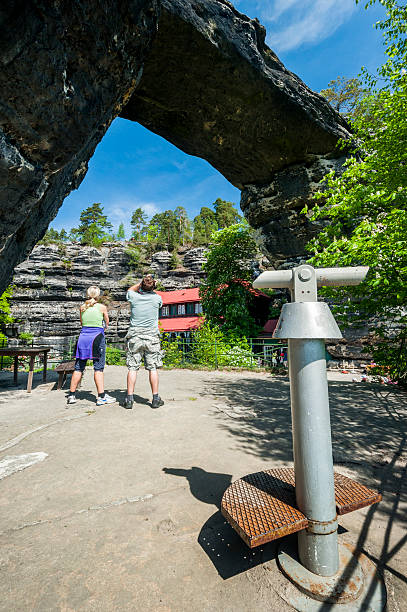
[351,495]
[261,507]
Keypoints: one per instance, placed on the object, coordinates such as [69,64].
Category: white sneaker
[108,399]
[71,399]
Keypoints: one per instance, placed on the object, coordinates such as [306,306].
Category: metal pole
[305,323]
[313,464]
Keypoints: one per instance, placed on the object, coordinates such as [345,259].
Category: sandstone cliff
[50,285]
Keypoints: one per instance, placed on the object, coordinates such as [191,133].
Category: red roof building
[180,310]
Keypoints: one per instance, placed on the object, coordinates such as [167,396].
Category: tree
[168,232]
[120,232]
[52,236]
[225,213]
[367,205]
[344,95]
[204,225]
[225,296]
[184,225]
[94,226]
[138,221]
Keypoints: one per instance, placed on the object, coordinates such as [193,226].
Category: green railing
[256,353]
[187,352]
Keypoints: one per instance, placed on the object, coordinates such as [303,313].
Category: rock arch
[197,72]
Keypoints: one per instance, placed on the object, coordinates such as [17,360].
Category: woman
[91,345]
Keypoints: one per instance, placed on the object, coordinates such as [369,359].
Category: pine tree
[120,232]
[226,213]
[94,226]
[138,221]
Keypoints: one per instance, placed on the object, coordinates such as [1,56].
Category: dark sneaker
[156,403]
[128,403]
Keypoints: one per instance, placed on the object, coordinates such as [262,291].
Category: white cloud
[292,23]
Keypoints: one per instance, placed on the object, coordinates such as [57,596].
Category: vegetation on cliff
[367,205]
[166,230]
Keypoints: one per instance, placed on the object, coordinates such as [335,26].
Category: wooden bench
[63,369]
[32,352]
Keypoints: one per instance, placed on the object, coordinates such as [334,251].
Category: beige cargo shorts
[143,344]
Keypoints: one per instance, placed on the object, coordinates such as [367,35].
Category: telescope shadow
[226,550]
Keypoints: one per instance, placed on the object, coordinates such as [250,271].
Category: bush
[173,354]
[7,361]
[134,258]
[115,356]
[26,337]
[211,347]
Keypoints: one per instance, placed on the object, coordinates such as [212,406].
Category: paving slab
[122,511]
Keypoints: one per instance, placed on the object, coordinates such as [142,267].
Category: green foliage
[226,213]
[52,236]
[134,257]
[138,222]
[5,319]
[159,286]
[367,206]
[174,261]
[166,230]
[94,227]
[205,225]
[209,221]
[115,356]
[167,235]
[225,299]
[173,354]
[184,225]
[211,347]
[5,308]
[120,232]
[26,337]
[344,95]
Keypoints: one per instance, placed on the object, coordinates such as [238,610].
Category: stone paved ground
[122,513]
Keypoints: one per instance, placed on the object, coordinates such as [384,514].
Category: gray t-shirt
[144,308]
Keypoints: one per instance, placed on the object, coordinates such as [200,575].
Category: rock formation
[197,72]
[49,286]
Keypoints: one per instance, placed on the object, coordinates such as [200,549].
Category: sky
[318,40]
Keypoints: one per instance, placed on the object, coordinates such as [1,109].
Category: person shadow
[118,394]
[220,542]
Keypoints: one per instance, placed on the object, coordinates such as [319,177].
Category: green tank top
[92,317]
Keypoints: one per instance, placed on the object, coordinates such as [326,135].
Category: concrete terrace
[122,511]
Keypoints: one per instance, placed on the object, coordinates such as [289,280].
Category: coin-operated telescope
[306,323]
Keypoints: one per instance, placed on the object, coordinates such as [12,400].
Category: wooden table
[26,351]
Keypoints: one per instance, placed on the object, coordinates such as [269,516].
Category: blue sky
[316,39]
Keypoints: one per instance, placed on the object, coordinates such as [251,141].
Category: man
[143,338]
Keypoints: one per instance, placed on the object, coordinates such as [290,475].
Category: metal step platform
[261,507]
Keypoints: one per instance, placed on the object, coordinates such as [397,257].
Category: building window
[181,309]
[173,309]
[165,311]
[190,308]
[198,308]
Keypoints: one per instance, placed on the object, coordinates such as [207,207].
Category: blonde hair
[92,293]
